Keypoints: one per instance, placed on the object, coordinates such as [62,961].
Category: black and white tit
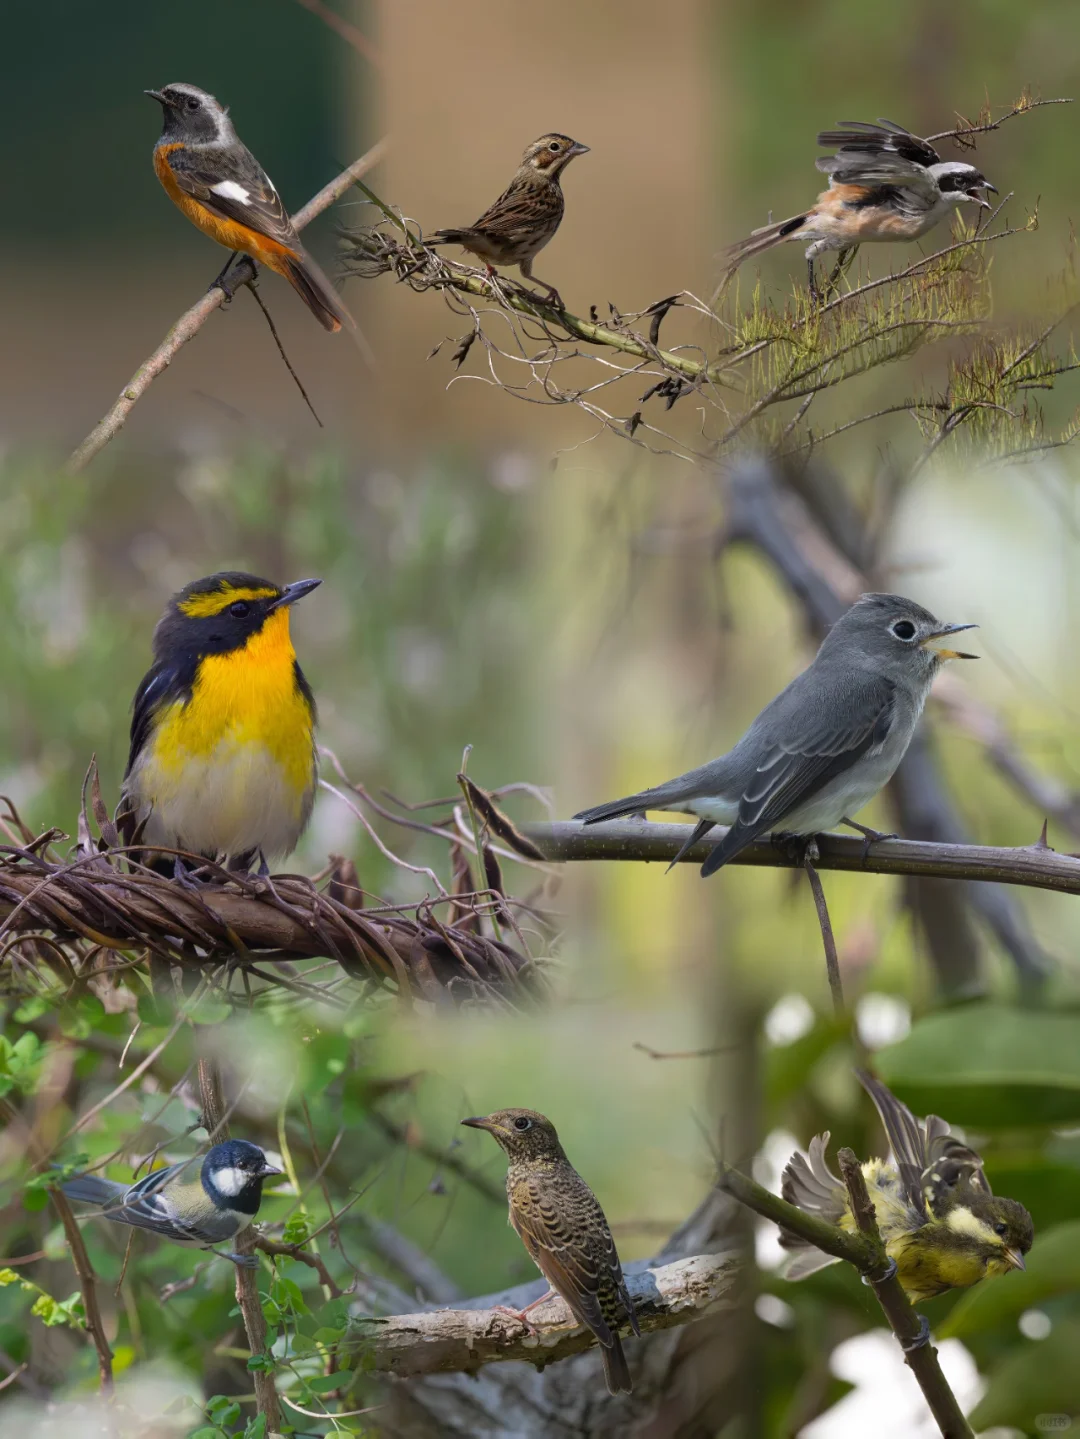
[197,1206]
[884,184]
[826,745]
[941,1223]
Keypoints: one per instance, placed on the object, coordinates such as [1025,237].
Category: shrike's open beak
[928,642]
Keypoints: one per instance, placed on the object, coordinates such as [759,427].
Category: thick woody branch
[444,1341]
[190,323]
[866,1252]
[1033,866]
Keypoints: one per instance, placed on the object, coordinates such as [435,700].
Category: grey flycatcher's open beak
[941,633]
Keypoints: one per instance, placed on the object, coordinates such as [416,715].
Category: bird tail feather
[317,293]
[92,1189]
[763,239]
[692,785]
[616,1370]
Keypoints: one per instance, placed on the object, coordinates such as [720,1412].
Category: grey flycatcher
[826,745]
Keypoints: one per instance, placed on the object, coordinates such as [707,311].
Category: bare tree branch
[474,1334]
[189,324]
[1029,865]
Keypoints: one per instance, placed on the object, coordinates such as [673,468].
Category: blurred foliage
[574,628]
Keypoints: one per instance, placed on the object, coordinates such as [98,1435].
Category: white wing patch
[230,190]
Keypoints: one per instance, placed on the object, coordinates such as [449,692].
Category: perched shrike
[884,184]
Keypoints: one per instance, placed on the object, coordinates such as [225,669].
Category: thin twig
[190,323]
[686,1053]
[84,1269]
[215,1118]
[348,32]
[828,939]
[253,287]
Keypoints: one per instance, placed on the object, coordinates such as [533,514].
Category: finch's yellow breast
[232,769]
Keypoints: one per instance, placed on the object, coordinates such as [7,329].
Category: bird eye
[192,103]
[904,630]
[1001,1229]
[240,610]
[554,147]
[522,1123]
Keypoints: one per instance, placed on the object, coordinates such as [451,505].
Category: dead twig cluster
[77,920]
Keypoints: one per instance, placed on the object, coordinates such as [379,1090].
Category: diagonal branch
[866,1252]
[189,324]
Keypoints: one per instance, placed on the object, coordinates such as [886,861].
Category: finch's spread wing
[822,746]
[233,185]
[573,1249]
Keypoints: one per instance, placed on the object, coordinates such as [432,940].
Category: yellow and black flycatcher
[222,759]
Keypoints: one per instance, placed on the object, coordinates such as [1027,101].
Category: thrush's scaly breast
[233,768]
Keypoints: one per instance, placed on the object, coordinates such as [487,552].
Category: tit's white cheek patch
[231,1181]
[230,190]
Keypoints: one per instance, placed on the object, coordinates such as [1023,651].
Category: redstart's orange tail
[316,291]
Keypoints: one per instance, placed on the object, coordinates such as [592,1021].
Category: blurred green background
[492,580]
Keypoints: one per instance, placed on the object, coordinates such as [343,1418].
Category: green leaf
[989,1066]
[1038,1379]
[257,1428]
[223,1409]
[327,1383]
[1053,1267]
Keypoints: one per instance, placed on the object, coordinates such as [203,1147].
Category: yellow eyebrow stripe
[201,607]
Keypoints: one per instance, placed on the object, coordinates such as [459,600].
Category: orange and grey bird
[526,215]
[564,1230]
[884,184]
[211,176]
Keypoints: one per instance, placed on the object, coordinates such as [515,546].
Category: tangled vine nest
[84,916]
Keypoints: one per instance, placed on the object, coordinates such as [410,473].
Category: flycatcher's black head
[523,1133]
[550,155]
[192,116]
[233,1173]
[222,613]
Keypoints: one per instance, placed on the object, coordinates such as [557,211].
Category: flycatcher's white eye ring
[554,147]
[522,1123]
[903,630]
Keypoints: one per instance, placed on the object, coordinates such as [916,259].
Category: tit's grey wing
[798,744]
[907,1140]
[140,1205]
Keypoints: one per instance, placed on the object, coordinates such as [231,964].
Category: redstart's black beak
[156,95]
